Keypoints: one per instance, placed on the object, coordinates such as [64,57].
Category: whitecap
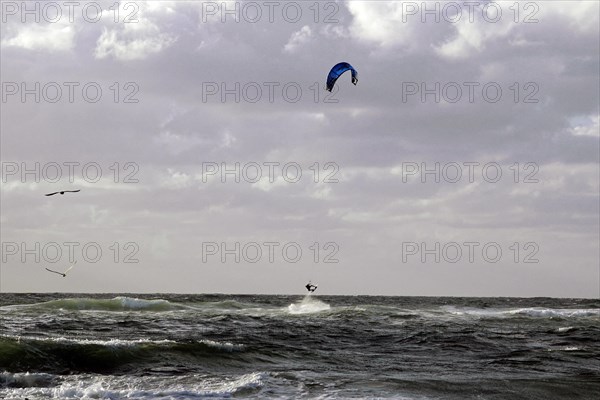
[227,346]
[308,305]
[26,380]
[555,312]
[565,329]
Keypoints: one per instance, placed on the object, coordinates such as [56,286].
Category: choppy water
[218,346]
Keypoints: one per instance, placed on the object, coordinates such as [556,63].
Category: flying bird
[62,192]
[64,274]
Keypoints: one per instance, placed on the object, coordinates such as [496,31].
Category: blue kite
[337,71]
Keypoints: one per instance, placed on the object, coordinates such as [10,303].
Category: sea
[174,346]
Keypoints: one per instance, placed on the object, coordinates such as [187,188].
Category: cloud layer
[192,92]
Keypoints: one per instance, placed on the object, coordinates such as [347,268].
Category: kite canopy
[337,71]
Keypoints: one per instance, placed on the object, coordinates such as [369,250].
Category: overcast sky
[187,91]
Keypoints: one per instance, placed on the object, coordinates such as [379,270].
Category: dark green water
[164,346]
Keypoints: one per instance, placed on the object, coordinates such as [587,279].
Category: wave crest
[308,305]
[120,303]
[534,312]
[147,387]
[84,355]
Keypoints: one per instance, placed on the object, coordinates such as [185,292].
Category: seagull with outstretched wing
[64,274]
[63,192]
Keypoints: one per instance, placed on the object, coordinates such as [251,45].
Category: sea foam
[308,305]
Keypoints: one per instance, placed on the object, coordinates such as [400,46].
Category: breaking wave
[84,387]
[308,305]
[533,312]
[58,354]
[119,303]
